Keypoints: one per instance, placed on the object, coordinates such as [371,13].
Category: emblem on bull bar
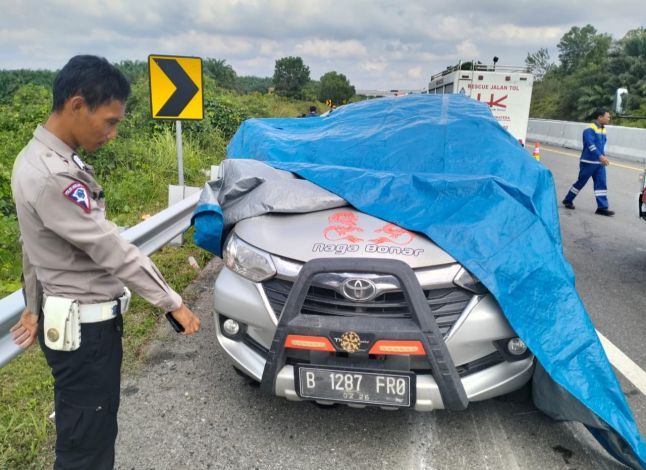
[350,342]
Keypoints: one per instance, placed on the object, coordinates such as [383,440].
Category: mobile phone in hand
[174,323]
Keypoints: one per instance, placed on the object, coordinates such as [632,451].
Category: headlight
[248,261]
[468,281]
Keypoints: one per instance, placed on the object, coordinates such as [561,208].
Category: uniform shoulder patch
[79,195]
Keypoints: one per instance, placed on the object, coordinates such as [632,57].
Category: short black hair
[599,112]
[312,109]
[93,78]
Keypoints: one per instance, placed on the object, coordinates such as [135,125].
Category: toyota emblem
[360,290]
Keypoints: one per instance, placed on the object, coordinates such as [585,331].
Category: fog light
[231,327]
[516,346]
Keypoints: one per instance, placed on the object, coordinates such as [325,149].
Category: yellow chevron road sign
[175,87]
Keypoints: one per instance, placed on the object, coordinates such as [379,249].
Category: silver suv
[337,306]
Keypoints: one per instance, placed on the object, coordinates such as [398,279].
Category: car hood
[341,232]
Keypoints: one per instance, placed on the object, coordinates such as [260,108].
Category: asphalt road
[188,409]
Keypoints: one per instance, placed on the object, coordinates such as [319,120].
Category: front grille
[446,304]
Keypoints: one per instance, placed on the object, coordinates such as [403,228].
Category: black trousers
[86,396]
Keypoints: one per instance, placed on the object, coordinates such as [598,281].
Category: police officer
[75,264]
[593,164]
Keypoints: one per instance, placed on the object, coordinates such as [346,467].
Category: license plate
[374,388]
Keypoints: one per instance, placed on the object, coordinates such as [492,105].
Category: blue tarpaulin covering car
[442,165]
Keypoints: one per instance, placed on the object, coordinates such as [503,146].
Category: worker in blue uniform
[593,164]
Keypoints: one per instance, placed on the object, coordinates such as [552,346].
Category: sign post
[180,152]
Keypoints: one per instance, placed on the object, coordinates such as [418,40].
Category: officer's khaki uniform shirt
[68,245]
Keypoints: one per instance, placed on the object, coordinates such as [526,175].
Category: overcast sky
[379,44]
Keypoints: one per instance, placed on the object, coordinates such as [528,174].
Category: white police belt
[93,313]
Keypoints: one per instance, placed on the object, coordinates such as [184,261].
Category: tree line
[592,67]
[291,79]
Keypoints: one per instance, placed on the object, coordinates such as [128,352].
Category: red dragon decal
[344,226]
[393,234]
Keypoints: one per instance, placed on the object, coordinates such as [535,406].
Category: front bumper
[471,340]
[497,380]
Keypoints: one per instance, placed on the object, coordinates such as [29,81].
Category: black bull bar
[422,328]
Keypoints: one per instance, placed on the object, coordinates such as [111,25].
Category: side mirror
[619,101]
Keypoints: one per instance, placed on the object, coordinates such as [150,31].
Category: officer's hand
[187,319]
[26,330]
[604,160]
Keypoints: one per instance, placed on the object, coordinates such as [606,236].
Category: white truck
[507,90]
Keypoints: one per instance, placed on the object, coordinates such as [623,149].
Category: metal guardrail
[149,235]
